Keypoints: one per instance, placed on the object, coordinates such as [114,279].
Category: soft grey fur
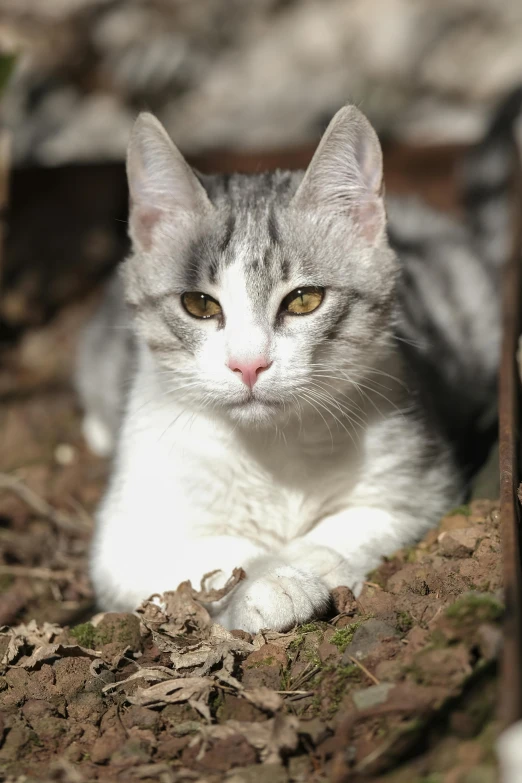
[373,410]
[448,314]
[104,363]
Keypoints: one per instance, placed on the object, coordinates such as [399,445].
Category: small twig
[5,166]
[295,693]
[306,675]
[36,573]
[373,584]
[439,610]
[39,505]
[82,512]
[363,668]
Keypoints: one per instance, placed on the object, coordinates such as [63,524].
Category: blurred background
[240,84]
[250,74]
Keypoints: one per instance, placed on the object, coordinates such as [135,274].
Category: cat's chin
[256,413]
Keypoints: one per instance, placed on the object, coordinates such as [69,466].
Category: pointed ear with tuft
[345,175]
[161,183]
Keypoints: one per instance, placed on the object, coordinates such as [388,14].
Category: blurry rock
[367,637]
[225,73]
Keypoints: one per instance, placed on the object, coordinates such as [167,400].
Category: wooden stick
[47,574]
[39,505]
[5,161]
[363,668]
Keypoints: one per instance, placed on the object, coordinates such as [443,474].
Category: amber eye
[302,301]
[200,305]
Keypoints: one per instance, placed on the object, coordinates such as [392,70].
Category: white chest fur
[216,479]
[192,492]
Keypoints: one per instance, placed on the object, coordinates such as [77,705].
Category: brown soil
[398,685]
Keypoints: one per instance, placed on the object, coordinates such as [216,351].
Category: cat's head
[263,295]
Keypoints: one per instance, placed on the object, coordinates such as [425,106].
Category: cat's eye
[302,301]
[200,305]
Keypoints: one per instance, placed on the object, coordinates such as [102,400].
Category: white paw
[98,436]
[327,564]
[282,598]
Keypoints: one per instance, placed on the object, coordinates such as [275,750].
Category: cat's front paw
[280,599]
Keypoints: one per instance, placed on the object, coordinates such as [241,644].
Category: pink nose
[249,371]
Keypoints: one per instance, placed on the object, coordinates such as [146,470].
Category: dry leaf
[36,635]
[182,611]
[220,647]
[211,596]
[14,647]
[272,739]
[49,652]
[173,691]
[151,675]
[283,640]
[264,698]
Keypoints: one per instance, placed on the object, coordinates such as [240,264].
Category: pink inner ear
[143,220]
[370,218]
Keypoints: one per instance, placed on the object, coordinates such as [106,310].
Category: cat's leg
[127,566]
[127,569]
[294,586]
[344,547]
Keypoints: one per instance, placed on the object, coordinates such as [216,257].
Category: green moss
[308,628]
[85,635]
[330,685]
[5,582]
[313,657]
[349,671]
[438,639]
[7,65]
[415,672]
[217,701]
[376,577]
[338,688]
[343,636]
[463,510]
[123,631]
[403,621]
[302,632]
[479,608]
[296,644]
[265,662]
[115,632]
[410,555]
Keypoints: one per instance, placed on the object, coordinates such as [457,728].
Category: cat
[278,348]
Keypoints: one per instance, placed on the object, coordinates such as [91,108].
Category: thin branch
[39,505]
[363,668]
[46,574]
[373,584]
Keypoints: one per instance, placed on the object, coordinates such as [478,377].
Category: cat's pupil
[200,305]
[303,300]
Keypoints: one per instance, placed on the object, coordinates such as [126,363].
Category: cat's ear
[161,183]
[345,175]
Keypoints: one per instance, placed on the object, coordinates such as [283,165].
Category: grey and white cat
[278,416]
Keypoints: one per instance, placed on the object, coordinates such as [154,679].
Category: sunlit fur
[338,455]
